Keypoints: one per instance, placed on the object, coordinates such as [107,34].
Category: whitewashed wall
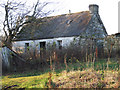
[34,44]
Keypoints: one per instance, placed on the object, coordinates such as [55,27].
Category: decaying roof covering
[66,25]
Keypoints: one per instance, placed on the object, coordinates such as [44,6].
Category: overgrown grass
[39,79]
[98,65]
[25,82]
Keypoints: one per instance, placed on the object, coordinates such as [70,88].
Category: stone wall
[96,28]
[112,43]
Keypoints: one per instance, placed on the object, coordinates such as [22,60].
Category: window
[42,49]
[26,47]
[59,44]
[42,45]
[69,21]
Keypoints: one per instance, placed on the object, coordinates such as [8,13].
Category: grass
[87,79]
[26,82]
[61,78]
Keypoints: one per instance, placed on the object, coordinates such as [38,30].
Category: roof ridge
[63,14]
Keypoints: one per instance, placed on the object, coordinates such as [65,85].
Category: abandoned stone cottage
[61,29]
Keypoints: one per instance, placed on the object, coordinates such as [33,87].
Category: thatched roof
[66,25]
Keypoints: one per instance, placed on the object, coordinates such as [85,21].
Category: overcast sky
[108,10]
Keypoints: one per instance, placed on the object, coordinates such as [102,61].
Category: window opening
[27,47]
[60,44]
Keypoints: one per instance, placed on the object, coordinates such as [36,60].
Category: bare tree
[16,14]
[109,43]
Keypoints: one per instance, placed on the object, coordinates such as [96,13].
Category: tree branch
[6,16]
[4,25]
[35,8]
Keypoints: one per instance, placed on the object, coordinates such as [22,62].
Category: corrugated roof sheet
[56,26]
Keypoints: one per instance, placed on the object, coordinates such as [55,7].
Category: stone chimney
[94,9]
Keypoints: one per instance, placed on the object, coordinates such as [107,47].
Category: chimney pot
[69,11]
[93,8]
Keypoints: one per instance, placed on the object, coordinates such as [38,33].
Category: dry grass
[87,79]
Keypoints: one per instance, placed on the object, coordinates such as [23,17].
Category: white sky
[108,10]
